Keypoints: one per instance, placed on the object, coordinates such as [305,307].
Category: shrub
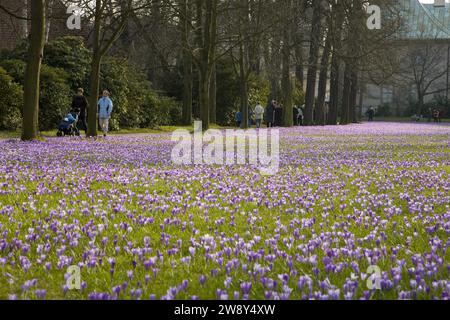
[70,54]
[15,68]
[384,110]
[55,97]
[55,93]
[298,96]
[159,111]
[11,99]
[227,92]
[66,67]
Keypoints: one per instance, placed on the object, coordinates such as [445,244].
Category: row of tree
[315,46]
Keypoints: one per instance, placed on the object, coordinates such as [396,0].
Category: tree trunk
[353,98]
[24,23]
[95,74]
[185,22]
[323,80]
[299,70]
[187,89]
[361,100]
[206,37]
[420,103]
[271,54]
[335,74]
[49,20]
[286,85]
[213,96]
[33,71]
[345,111]
[313,59]
[334,90]
[204,99]
[243,87]
[244,103]
[299,9]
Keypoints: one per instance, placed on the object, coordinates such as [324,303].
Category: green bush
[135,102]
[227,92]
[66,67]
[159,111]
[15,68]
[55,97]
[70,54]
[384,110]
[11,99]
[298,96]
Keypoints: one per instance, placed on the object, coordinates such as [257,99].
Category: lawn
[345,198]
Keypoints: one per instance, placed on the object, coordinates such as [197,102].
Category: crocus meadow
[138,227]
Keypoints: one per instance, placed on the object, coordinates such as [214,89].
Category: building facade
[13,29]
[423,47]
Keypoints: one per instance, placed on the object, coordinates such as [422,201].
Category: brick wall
[12,30]
[58,27]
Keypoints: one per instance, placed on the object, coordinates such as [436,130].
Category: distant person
[278,114]
[80,107]
[250,117]
[301,116]
[238,118]
[371,114]
[259,115]
[436,115]
[295,114]
[270,114]
[430,114]
[105,108]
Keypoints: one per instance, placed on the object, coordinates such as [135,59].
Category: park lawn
[343,200]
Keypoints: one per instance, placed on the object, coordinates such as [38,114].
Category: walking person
[270,114]
[105,108]
[250,117]
[278,114]
[436,115]
[371,114]
[80,107]
[238,118]
[295,115]
[300,115]
[259,115]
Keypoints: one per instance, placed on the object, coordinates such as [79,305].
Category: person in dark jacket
[295,114]
[278,114]
[371,114]
[238,118]
[80,107]
[270,114]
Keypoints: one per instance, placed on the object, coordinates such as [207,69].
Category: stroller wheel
[59,134]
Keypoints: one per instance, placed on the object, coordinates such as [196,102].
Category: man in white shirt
[259,115]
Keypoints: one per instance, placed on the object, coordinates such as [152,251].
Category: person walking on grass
[105,108]
[270,114]
[371,114]
[80,107]
[238,118]
[259,115]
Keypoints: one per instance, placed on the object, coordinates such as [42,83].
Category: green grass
[162,129]
[250,219]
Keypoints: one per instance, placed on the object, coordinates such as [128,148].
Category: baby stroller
[68,126]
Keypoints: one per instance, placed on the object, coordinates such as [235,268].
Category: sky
[431,1]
